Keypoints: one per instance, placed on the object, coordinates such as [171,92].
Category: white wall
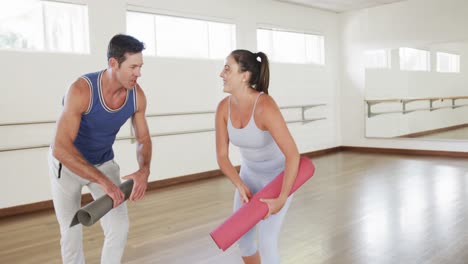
[408,23]
[34,83]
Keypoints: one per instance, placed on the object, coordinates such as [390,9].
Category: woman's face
[232,77]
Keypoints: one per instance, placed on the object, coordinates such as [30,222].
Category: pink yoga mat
[252,212]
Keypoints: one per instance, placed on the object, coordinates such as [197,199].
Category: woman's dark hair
[121,44]
[257,64]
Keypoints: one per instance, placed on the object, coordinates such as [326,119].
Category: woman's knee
[269,252]
[247,243]
[247,248]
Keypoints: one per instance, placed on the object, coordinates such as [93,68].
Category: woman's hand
[244,192]
[274,205]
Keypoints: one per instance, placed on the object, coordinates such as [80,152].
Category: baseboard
[321,152]
[36,207]
[418,152]
[86,198]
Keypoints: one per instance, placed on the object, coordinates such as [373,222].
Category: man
[94,109]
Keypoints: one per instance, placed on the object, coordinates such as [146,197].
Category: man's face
[129,70]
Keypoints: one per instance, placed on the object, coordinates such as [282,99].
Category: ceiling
[339,6]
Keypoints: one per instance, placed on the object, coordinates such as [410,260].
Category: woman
[251,120]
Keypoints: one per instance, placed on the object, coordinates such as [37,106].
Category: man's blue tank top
[100,124]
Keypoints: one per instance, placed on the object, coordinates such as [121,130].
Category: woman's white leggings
[268,230]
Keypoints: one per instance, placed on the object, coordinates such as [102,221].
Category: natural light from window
[44,26]
[169,36]
[291,47]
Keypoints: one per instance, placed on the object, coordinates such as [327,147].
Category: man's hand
[140,183]
[114,192]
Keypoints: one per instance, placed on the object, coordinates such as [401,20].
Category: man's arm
[143,148]
[75,104]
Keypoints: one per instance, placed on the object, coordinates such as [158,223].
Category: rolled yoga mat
[252,212]
[92,212]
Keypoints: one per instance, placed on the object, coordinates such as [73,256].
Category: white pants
[66,194]
[269,229]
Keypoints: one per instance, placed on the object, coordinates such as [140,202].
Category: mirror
[417,91]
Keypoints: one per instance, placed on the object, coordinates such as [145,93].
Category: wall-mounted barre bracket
[431,101]
[454,104]
[370,103]
[307,107]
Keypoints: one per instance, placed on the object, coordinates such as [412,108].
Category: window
[169,36]
[377,59]
[447,62]
[414,59]
[44,25]
[291,47]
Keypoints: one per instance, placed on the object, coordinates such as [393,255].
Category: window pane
[315,49]
[290,47]
[169,36]
[447,62]
[141,26]
[414,59]
[21,25]
[265,42]
[180,37]
[377,59]
[66,27]
[222,39]
[44,25]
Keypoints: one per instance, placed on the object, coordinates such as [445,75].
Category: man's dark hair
[121,44]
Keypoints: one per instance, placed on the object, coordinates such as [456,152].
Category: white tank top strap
[229,107]
[255,104]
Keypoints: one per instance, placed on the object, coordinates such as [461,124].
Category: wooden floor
[458,134]
[358,208]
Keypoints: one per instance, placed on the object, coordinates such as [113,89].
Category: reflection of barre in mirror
[416,89]
[302,118]
[430,117]
[404,101]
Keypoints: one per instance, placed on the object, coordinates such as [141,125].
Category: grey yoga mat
[92,212]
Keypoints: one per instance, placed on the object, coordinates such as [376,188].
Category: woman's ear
[246,76]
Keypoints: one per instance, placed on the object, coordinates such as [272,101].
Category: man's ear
[113,63]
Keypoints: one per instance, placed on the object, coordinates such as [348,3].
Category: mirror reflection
[417,91]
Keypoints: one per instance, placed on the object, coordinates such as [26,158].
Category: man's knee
[117,229]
